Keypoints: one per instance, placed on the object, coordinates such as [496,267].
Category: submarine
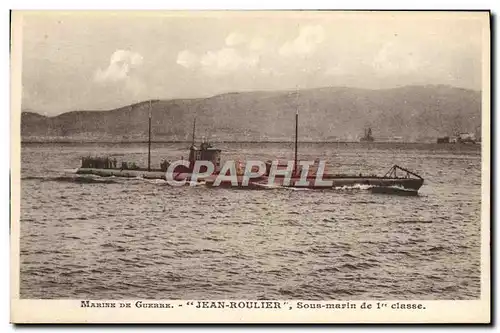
[397,180]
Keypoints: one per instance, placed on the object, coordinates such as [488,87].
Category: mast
[149,140]
[296,131]
[296,139]
[194,131]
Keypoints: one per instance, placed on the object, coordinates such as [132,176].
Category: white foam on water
[268,186]
[397,188]
[298,188]
[353,187]
[155,181]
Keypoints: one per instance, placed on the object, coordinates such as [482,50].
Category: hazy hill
[415,113]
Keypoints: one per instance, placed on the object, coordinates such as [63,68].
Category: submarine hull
[139,173]
[403,184]
[377,184]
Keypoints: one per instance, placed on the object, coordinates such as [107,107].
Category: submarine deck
[329,181]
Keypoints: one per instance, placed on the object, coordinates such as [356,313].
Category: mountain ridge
[414,113]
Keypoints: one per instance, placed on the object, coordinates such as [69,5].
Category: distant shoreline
[232,141]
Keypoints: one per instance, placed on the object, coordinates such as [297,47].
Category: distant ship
[368,136]
[444,139]
[459,138]
[466,138]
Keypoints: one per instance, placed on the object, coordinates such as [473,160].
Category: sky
[103,60]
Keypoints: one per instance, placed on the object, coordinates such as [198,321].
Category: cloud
[120,64]
[223,61]
[240,53]
[119,72]
[235,38]
[395,59]
[227,60]
[305,43]
[187,59]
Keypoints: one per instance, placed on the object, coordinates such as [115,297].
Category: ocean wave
[353,187]
[413,221]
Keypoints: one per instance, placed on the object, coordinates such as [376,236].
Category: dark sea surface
[110,238]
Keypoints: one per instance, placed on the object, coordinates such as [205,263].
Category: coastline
[242,141]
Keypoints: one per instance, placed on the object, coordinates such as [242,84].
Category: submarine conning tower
[205,152]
